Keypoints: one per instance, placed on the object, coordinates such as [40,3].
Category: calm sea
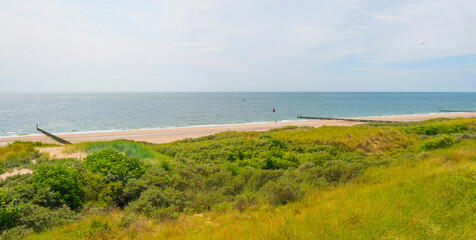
[70,112]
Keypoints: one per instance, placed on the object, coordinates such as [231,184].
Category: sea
[95,112]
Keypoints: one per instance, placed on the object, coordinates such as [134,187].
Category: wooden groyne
[462,111]
[56,138]
[344,119]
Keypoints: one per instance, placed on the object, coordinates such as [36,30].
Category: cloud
[442,25]
[212,44]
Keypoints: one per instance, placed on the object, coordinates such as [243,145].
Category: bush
[64,182]
[261,177]
[18,232]
[39,218]
[340,171]
[221,207]
[438,142]
[434,129]
[272,163]
[218,179]
[244,201]
[306,166]
[115,165]
[8,213]
[154,198]
[282,191]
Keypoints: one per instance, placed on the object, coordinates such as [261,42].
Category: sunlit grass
[131,148]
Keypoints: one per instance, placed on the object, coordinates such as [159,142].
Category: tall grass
[18,154]
[130,148]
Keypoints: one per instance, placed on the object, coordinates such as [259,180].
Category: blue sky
[244,45]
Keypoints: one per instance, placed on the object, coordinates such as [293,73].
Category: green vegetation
[130,148]
[437,142]
[18,154]
[62,181]
[402,180]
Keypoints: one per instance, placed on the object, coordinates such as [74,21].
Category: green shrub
[18,188]
[218,179]
[114,165]
[273,163]
[306,166]
[319,158]
[221,207]
[437,142]
[168,213]
[39,218]
[340,171]
[283,191]
[63,181]
[8,213]
[261,177]
[434,129]
[18,232]
[154,198]
[244,201]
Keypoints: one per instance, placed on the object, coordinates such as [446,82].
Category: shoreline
[386,117]
[163,135]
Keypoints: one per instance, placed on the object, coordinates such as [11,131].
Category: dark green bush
[154,198]
[39,218]
[283,191]
[8,213]
[63,181]
[218,179]
[115,166]
[261,177]
[244,201]
[273,163]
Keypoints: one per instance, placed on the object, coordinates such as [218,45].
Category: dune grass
[428,197]
[130,148]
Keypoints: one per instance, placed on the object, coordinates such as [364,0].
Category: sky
[231,45]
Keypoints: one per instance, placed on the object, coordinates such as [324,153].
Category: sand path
[4,176]
[58,152]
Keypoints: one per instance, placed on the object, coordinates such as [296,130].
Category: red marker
[274,110]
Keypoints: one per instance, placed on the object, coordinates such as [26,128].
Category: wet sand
[170,135]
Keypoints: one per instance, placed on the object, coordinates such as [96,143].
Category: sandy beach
[174,134]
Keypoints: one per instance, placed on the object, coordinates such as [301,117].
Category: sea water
[78,112]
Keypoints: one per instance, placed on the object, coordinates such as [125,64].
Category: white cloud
[202,43]
[445,28]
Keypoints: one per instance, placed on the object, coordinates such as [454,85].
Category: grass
[18,154]
[428,197]
[130,148]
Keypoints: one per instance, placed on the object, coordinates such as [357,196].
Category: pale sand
[4,176]
[170,135]
[58,152]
